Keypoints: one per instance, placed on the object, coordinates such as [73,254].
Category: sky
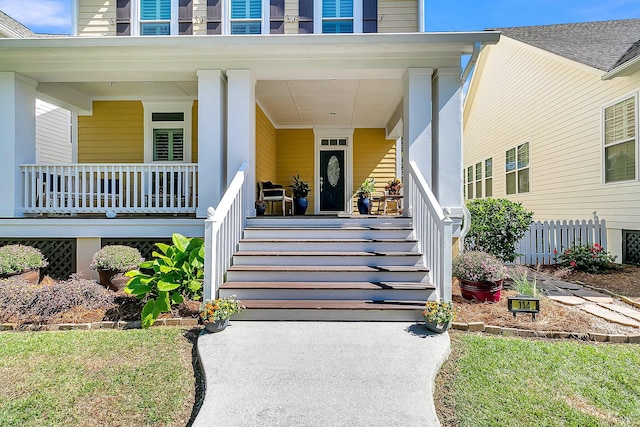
[54,16]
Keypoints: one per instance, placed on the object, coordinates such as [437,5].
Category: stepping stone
[588,293]
[610,316]
[629,312]
[568,299]
[600,300]
[556,292]
[565,285]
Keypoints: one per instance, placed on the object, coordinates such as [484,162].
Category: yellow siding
[194,132]
[523,94]
[397,16]
[96,18]
[294,154]
[374,156]
[265,148]
[199,17]
[290,9]
[113,134]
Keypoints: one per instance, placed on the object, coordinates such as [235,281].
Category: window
[155,17]
[620,141]
[470,182]
[338,16]
[517,169]
[478,180]
[167,131]
[246,16]
[488,177]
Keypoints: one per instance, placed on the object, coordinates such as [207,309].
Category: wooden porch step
[330,268]
[332,310]
[324,253]
[325,240]
[329,285]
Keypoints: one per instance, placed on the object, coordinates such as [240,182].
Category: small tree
[496,226]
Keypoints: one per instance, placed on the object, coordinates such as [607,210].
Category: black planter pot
[260,210]
[300,205]
[363,205]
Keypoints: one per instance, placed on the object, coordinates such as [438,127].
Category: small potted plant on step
[364,196]
[215,314]
[438,315]
[300,192]
[112,262]
[480,275]
[21,260]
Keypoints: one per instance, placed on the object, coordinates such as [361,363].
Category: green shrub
[19,258]
[496,227]
[116,258]
[178,272]
[588,258]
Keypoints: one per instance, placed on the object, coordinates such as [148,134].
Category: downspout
[477,47]
[466,215]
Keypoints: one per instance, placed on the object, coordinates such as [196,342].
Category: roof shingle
[603,45]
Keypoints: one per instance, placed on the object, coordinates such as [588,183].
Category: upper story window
[517,169]
[246,17]
[488,177]
[337,16]
[620,140]
[154,17]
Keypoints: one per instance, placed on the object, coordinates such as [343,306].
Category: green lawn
[491,381]
[98,378]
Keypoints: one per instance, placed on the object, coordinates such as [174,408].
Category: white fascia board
[64,97]
[103,227]
[626,69]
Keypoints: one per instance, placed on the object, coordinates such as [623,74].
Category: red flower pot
[481,291]
[31,276]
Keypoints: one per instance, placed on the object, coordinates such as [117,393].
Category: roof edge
[624,69]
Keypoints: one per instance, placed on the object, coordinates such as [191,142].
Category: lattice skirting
[631,246]
[61,254]
[145,246]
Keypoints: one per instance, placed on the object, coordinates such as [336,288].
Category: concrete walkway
[320,374]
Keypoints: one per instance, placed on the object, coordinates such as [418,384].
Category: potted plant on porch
[364,195]
[480,275]
[300,192]
[215,314]
[23,261]
[112,261]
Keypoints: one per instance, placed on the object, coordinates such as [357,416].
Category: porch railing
[222,231]
[434,232]
[116,188]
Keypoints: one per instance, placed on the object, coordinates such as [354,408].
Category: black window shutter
[214,16]
[305,16]
[276,16]
[123,17]
[369,16]
[185,17]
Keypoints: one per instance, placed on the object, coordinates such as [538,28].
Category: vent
[630,247]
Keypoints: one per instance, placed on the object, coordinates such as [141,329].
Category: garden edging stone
[26,327]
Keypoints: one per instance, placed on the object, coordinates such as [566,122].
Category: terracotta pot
[481,291]
[114,280]
[437,328]
[31,276]
[217,325]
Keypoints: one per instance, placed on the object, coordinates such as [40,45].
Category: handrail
[434,232]
[222,231]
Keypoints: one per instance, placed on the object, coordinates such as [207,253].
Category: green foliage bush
[588,258]
[496,227]
[178,272]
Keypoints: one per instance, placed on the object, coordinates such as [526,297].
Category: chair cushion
[272,193]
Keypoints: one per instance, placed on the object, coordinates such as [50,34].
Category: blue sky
[54,16]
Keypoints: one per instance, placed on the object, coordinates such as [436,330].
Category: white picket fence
[543,237]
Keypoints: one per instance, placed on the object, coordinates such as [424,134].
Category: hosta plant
[116,258]
[476,266]
[177,272]
[220,309]
[19,258]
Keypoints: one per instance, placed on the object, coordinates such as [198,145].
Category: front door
[332,181]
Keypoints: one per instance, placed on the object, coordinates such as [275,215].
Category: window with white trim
[517,169]
[167,131]
[469,181]
[337,16]
[246,17]
[620,140]
[488,177]
[154,17]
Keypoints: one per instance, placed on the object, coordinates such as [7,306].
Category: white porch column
[447,139]
[17,138]
[241,130]
[211,149]
[416,139]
